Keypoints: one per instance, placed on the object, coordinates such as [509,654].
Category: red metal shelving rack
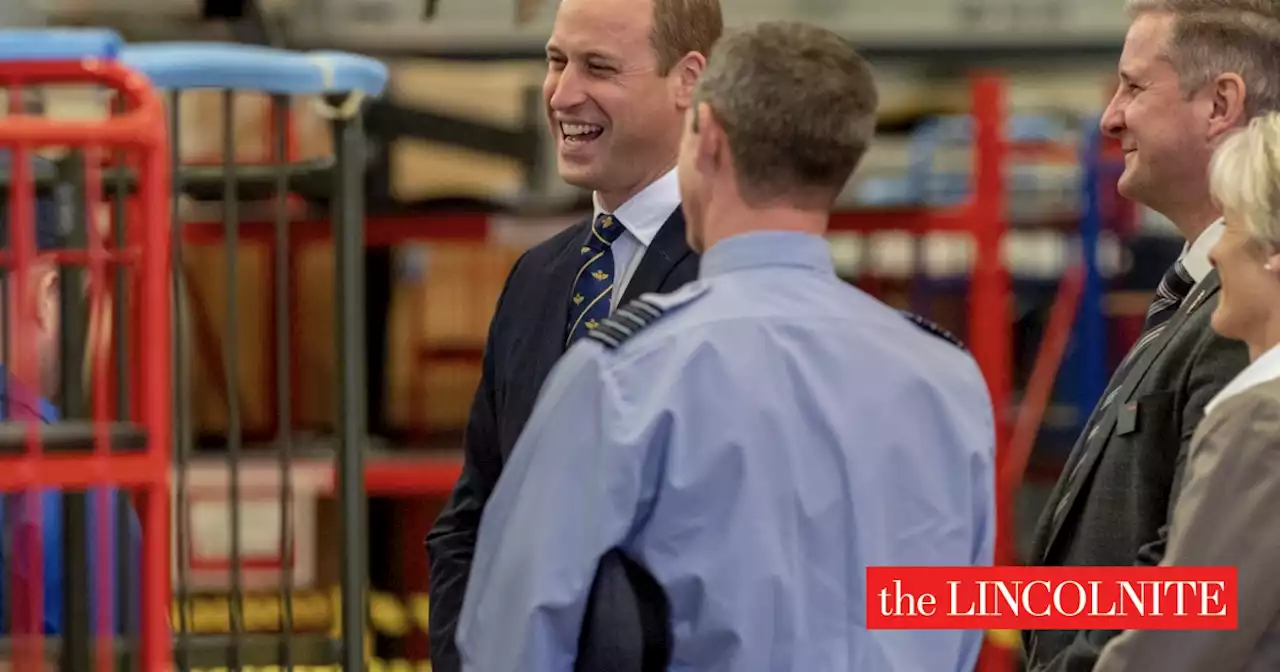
[138,132]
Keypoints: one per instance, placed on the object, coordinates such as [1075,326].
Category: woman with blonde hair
[1228,510]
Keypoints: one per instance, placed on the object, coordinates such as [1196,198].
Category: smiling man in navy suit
[620,76]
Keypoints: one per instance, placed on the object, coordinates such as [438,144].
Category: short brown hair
[798,105]
[683,26]
[1212,37]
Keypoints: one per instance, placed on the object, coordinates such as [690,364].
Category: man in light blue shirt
[757,439]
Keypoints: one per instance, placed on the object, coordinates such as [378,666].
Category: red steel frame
[140,132]
[983,216]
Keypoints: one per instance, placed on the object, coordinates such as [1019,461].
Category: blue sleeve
[569,493]
[55,567]
[51,508]
[16,519]
[20,529]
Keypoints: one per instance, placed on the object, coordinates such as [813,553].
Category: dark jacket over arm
[526,339]
[452,539]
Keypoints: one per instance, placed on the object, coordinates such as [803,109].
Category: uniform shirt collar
[1263,369]
[644,214]
[18,401]
[767,248]
[1195,255]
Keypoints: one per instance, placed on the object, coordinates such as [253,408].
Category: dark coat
[526,339]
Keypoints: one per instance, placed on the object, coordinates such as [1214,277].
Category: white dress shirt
[642,216]
[1195,255]
[1263,369]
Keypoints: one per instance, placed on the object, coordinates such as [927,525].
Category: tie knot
[604,231]
[1174,287]
[1177,281]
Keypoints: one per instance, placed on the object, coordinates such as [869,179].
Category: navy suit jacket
[526,338]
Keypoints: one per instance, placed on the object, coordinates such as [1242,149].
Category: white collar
[1195,255]
[1260,370]
[645,213]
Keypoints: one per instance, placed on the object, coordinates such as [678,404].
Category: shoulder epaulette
[933,328]
[631,318]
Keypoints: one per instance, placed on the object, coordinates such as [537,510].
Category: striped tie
[593,288]
[1174,288]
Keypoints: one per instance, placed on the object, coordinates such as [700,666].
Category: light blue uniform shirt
[756,447]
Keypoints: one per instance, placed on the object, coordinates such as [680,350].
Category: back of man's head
[797,105]
[1212,37]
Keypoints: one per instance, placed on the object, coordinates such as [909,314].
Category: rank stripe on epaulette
[933,328]
[613,331]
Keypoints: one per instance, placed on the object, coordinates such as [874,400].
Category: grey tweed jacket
[1130,469]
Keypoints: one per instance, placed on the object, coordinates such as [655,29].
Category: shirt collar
[1264,368]
[767,248]
[1195,255]
[23,402]
[644,214]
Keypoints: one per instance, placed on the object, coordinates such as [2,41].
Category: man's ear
[1228,94]
[709,140]
[684,77]
[46,295]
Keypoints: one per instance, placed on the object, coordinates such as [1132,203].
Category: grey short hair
[1212,37]
[798,105]
[1244,178]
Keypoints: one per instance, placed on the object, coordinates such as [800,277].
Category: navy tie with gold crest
[593,288]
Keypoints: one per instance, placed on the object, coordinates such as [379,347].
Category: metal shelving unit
[963,33]
[963,50]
